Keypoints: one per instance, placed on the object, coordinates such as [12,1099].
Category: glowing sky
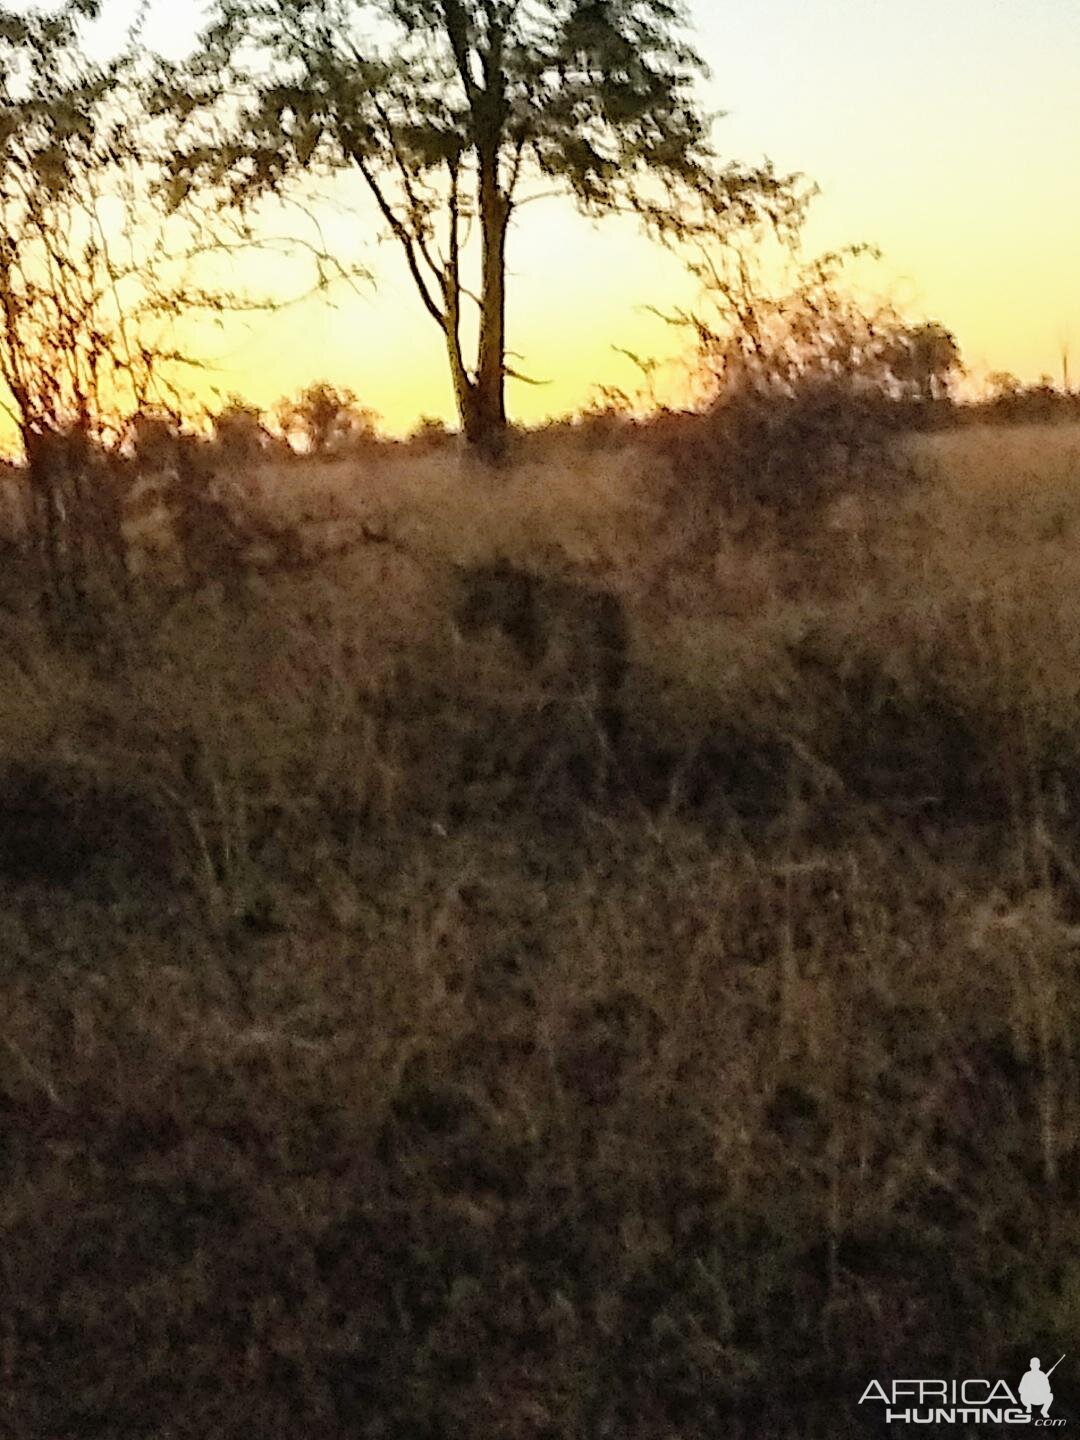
[945,131]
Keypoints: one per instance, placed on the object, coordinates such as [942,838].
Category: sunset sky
[945,131]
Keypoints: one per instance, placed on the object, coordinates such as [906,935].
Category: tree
[239,432]
[800,401]
[326,420]
[454,112]
[781,341]
[924,360]
[72,293]
[91,284]
[430,433]
[1002,385]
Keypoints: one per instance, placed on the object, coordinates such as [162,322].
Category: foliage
[239,431]
[430,433]
[814,330]
[923,361]
[74,297]
[92,284]
[90,281]
[1002,385]
[326,420]
[804,387]
[1010,402]
[455,115]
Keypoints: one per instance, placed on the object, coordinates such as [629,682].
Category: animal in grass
[576,632]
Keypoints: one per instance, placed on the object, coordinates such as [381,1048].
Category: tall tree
[455,113]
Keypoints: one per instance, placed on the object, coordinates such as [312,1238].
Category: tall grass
[362,1075]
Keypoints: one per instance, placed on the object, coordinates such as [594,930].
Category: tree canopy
[62,332]
[456,113]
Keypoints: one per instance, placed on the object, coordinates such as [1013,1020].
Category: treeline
[1011,403]
[323,421]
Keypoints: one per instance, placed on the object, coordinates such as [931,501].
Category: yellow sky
[945,131]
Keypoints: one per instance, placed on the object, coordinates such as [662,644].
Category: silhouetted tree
[239,432]
[799,390]
[91,282]
[924,359]
[326,420]
[451,111]
[69,356]
[811,332]
[430,433]
[1002,385]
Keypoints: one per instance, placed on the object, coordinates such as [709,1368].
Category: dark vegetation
[394,1045]
[478,961]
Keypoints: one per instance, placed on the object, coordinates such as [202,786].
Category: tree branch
[405,239]
[457,32]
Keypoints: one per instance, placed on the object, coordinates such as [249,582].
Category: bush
[807,390]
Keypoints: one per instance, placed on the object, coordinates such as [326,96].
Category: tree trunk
[464,388]
[487,422]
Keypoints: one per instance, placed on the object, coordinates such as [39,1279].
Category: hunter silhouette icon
[1035,1386]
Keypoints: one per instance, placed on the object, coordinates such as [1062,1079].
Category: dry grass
[363,1076]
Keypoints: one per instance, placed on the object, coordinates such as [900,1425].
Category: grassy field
[368,1070]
